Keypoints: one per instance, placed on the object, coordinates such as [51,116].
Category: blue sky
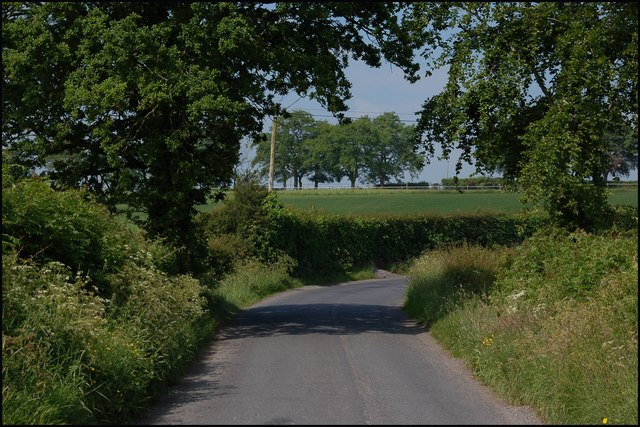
[376,91]
[384,89]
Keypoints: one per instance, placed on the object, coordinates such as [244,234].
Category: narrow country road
[342,354]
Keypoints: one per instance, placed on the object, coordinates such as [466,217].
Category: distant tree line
[373,151]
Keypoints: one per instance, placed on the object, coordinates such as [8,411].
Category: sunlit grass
[557,330]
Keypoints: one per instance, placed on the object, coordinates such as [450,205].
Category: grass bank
[552,323]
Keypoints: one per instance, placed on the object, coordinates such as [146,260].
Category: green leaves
[119,97]
[531,90]
[369,150]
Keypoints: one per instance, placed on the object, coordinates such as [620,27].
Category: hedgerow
[92,325]
[324,243]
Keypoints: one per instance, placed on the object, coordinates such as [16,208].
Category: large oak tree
[145,103]
[391,153]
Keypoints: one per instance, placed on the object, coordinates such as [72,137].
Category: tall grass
[442,279]
[94,325]
[251,281]
[557,329]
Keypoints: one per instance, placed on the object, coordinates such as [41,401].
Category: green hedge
[328,243]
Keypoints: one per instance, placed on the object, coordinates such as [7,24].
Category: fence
[422,187]
[389,187]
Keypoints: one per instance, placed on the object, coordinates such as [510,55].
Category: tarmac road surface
[342,354]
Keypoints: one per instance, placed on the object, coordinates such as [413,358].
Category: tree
[532,88]
[352,138]
[292,132]
[391,152]
[145,103]
[623,152]
[323,155]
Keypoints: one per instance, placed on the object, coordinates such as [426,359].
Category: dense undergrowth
[96,320]
[552,323]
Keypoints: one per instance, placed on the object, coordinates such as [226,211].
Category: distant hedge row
[480,181]
[325,243]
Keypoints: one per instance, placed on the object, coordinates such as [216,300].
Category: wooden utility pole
[272,158]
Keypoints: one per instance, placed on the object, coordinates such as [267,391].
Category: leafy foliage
[92,323]
[555,327]
[95,320]
[293,132]
[623,152]
[145,103]
[369,150]
[322,244]
[480,181]
[532,89]
[391,153]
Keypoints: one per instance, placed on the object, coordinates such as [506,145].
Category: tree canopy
[532,89]
[292,150]
[391,152]
[145,103]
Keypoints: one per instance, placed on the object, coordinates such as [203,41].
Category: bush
[89,341]
[266,230]
[624,217]
[67,227]
[239,210]
[479,181]
[253,280]
[542,264]
[231,229]
[334,243]
[78,358]
[226,250]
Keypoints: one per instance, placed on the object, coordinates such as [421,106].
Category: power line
[362,112]
[357,117]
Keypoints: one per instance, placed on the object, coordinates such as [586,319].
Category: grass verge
[552,324]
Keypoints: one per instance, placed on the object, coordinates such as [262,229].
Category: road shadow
[199,383]
[328,319]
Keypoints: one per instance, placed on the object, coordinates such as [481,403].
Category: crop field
[405,202]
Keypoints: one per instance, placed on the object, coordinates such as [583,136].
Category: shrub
[324,243]
[541,264]
[625,217]
[239,210]
[253,280]
[66,227]
[225,251]
[88,341]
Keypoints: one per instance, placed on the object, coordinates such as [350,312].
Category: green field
[399,202]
